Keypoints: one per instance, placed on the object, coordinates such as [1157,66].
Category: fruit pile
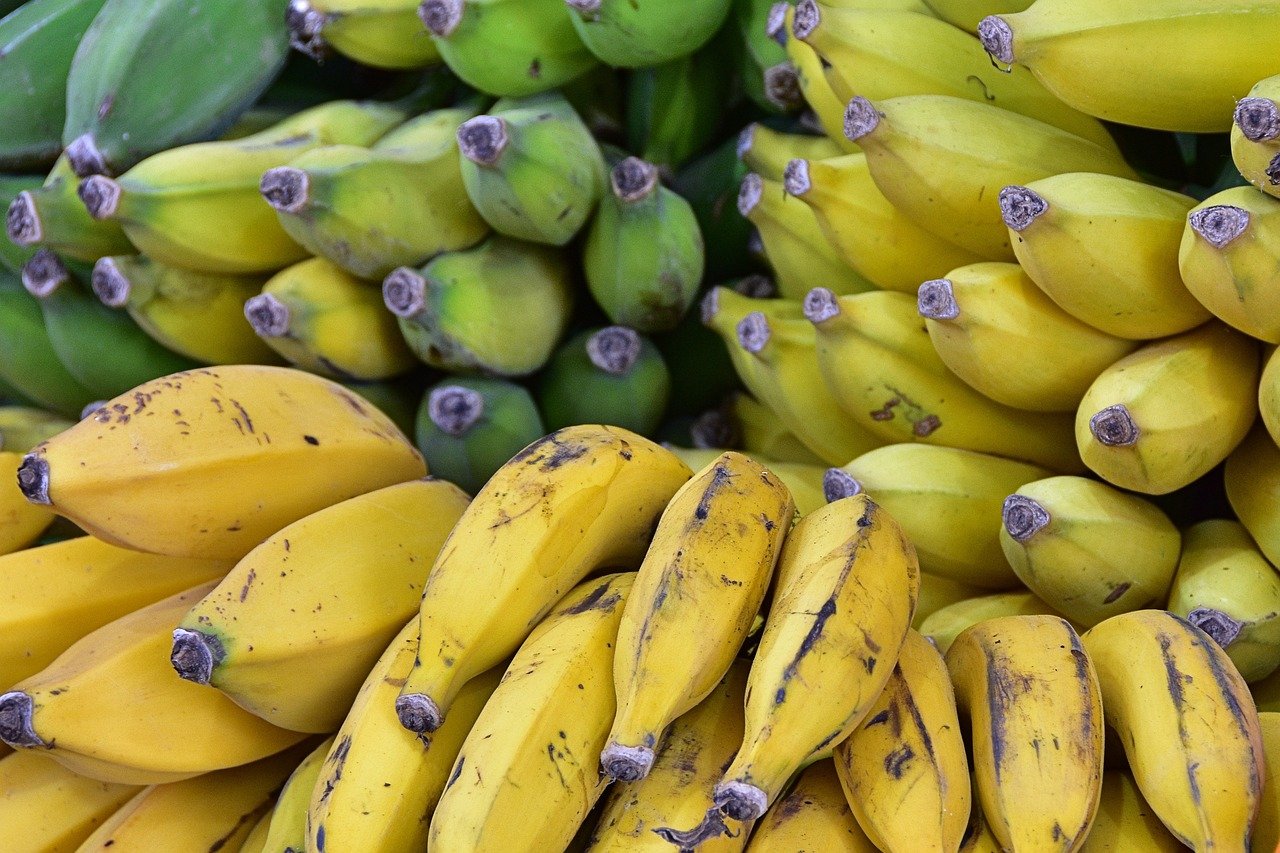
[867,513]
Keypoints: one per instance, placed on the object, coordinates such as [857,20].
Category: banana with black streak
[287,832]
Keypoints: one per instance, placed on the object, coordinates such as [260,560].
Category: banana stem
[454,409]
[795,177]
[1258,119]
[16,730]
[286,189]
[33,479]
[741,800]
[838,483]
[754,332]
[633,179]
[585,7]
[997,38]
[1114,427]
[195,654]
[1023,517]
[404,291]
[1220,224]
[860,118]
[626,763]
[749,193]
[85,157]
[1019,206]
[101,196]
[418,713]
[110,284]
[483,139]
[441,17]
[44,274]
[806,19]
[936,300]
[614,349]
[1222,628]
[782,86]
[268,316]
[1273,171]
[305,29]
[22,221]
[820,305]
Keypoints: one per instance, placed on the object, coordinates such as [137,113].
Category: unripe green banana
[607,376]
[532,169]
[325,320]
[966,14]
[760,53]
[1227,259]
[499,308]
[1252,479]
[13,256]
[997,331]
[53,217]
[946,623]
[381,33]
[947,500]
[1089,550]
[1226,588]
[710,185]
[644,255]
[942,160]
[1164,416]
[28,360]
[398,399]
[508,48]
[767,151]
[632,35]
[1255,136]
[467,428]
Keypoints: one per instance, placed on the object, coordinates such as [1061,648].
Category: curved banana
[1036,709]
[46,807]
[21,522]
[256,840]
[381,33]
[966,14]
[814,815]
[1255,136]
[1252,480]
[767,151]
[1125,823]
[191,464]
[803,480]
[288,828]
[576,500]
[946,623]
[827,108]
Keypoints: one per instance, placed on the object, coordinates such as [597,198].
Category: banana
[45,808]
[802,479]
[827,109]
[947,500]
[880,242]
[1252,480]
[1035,706]
[1255,128]
[847,585]
[380,33]
[1083,53]
[1161,417]
[1226,588]
[761,432]
[13,257]
[499,308]
[621,34]
[1089,550]
[111,708]
[256,840]
[966,14]
[610,376]
[552,707]
[945,624]
[198,315]
[370,210]
[700,585]
[1269,395]
[265,637]
[877,360]
[1187,723]
[28,360]
[937,593]
[52,216]
[643,814]
[210,812]
[508,48]
[760,54]
[379,783]
[644,256]
[1227,259]
[23,427]
[398,399]
[1103,248]
[183,465]
[767,151]
[21,522]
[941,160]
[288,828]
[57,593]
[1125,823]
[979,837]
[1266,829]
[467,428]
[996,330]
[814,816]
[578,499]
[325,320]
[904,770]
[204,66]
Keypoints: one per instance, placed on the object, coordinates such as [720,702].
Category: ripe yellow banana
[23,427]
[1269,395]
[942,160]
[45,808]
[978,837]
[52,595]
[1125,823]
[1255,136]
[1158,65]
[1187,723]
[539,737]
[1266,829]
[1226,588]
[380,783]
[875,238]
[381,33]
[111,707]
[876,357]
[700,586]
[579,499]
[1036,710]
[947,623]
[291,632]
[288,828]
[966,14]
[947,500]
[767,152]
[813,816]
[847,585]
[1165,415]
[827,108]
[192,464]
[761,432]
[1252,479]
[904,770]
[21,522]
[1089,550]
[937,592]
[1001,334]
[1103,248]
[1227,259]
[256,840]
[803,480]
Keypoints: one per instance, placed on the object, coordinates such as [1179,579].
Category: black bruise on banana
[595,600]
[688,840]
[719,480]
[562,453]
[1174,678]
[333,766]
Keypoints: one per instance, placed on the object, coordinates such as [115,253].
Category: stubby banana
[947,623]
[46,807]
[802,479]
[612,375]
[813,816]
[630,36]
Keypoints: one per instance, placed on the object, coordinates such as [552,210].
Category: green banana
[608,376]
[13,256]
[381,33]
[28,360]
[632,35]
[53,217]
[397,398]
[760,51]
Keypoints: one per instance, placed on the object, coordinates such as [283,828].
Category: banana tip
[860,118]
[286,189]
[1023,517]
[44,273]
[85,157]
[100,195]
[820,305]
[1020,206]
[838,484]
[1258,119]
[418,713]
[1114,426]
[936,300]
[1221,627]
[614,349]
[749,193]
[404,291]
[710,306]
[22,221]
[1219,224]
[195,654]
[268,316]
[441,17]
[775,25]
[997,38]
[806,19]
[626,763]
[746,138]
[633,179]
[741,800]
[33,478]
[306,29]
[483,139]
[754,332]
[110,284]
[584,7]
[1273,171]
[795,177]
[782,86]
[454,409]
[16,710]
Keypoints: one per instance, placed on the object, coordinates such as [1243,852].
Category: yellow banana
[1103,248]
[1089,550]
[293,629]
[380,783]
[1001,334]
[325,320]
[828,110]
[21,522]
[1252,480]
[1269,395]
[287,832]
[192,464]
[1266,829]
[1255,136]
[579,499]
[256,840]
[52,595]
[1036,710]
[803,480]
[1165,415]
[814,817]
[947,623]
[937,593]
[1187,723]
[1125,823]
[1083,52]
[942,160]
[876,357]
[23,427]
[904,770]
[539,737]
[1227,259]
[847,586]
[947,500]
[978,837]
[45,808]
[767,152]
[966,14]
[761,432]
[381,33]
[111,707]
[1226,588]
